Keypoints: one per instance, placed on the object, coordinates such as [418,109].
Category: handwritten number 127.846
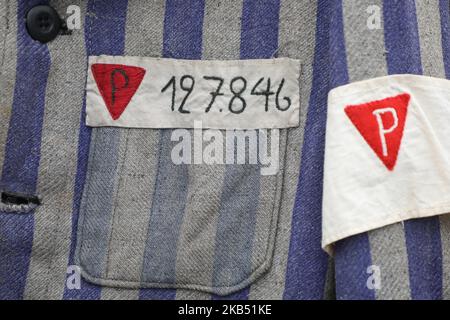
[237,87]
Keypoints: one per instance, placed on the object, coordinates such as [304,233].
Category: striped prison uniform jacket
[199,231]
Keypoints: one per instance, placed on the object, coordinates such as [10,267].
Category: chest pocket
[147,222]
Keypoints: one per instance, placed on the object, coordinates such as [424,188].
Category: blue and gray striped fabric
[113,202]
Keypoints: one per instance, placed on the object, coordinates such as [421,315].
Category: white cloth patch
[387,155]
[169,93]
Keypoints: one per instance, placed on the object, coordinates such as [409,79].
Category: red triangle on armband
[381,124]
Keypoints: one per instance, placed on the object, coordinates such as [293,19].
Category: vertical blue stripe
[307,262]
[444,8]
[259,29]
[22,155]
[235,230]
[104,34]
[183,25]
[338,56]
[422,236]
[352,258]
[401,36]
[423,244]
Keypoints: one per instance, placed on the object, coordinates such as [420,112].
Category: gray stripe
[429,22]
[186,294]
[109,293]
[366,59]
[221,29]
[269,199]
[4,27]
[52,220]
[144,26]
[388,249]
[365,47]
[8,56]
[98,201]
[199,227]
[221,40]
[297,43]
[445,239]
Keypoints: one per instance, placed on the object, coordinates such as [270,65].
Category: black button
[43,23]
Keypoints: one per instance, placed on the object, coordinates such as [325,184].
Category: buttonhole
[12,198]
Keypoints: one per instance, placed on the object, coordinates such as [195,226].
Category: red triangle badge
[381,124]
[117,84]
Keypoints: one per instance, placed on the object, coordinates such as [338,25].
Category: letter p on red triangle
[117,84]
[381,124]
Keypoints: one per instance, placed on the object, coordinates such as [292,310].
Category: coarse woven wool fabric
[150,220]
